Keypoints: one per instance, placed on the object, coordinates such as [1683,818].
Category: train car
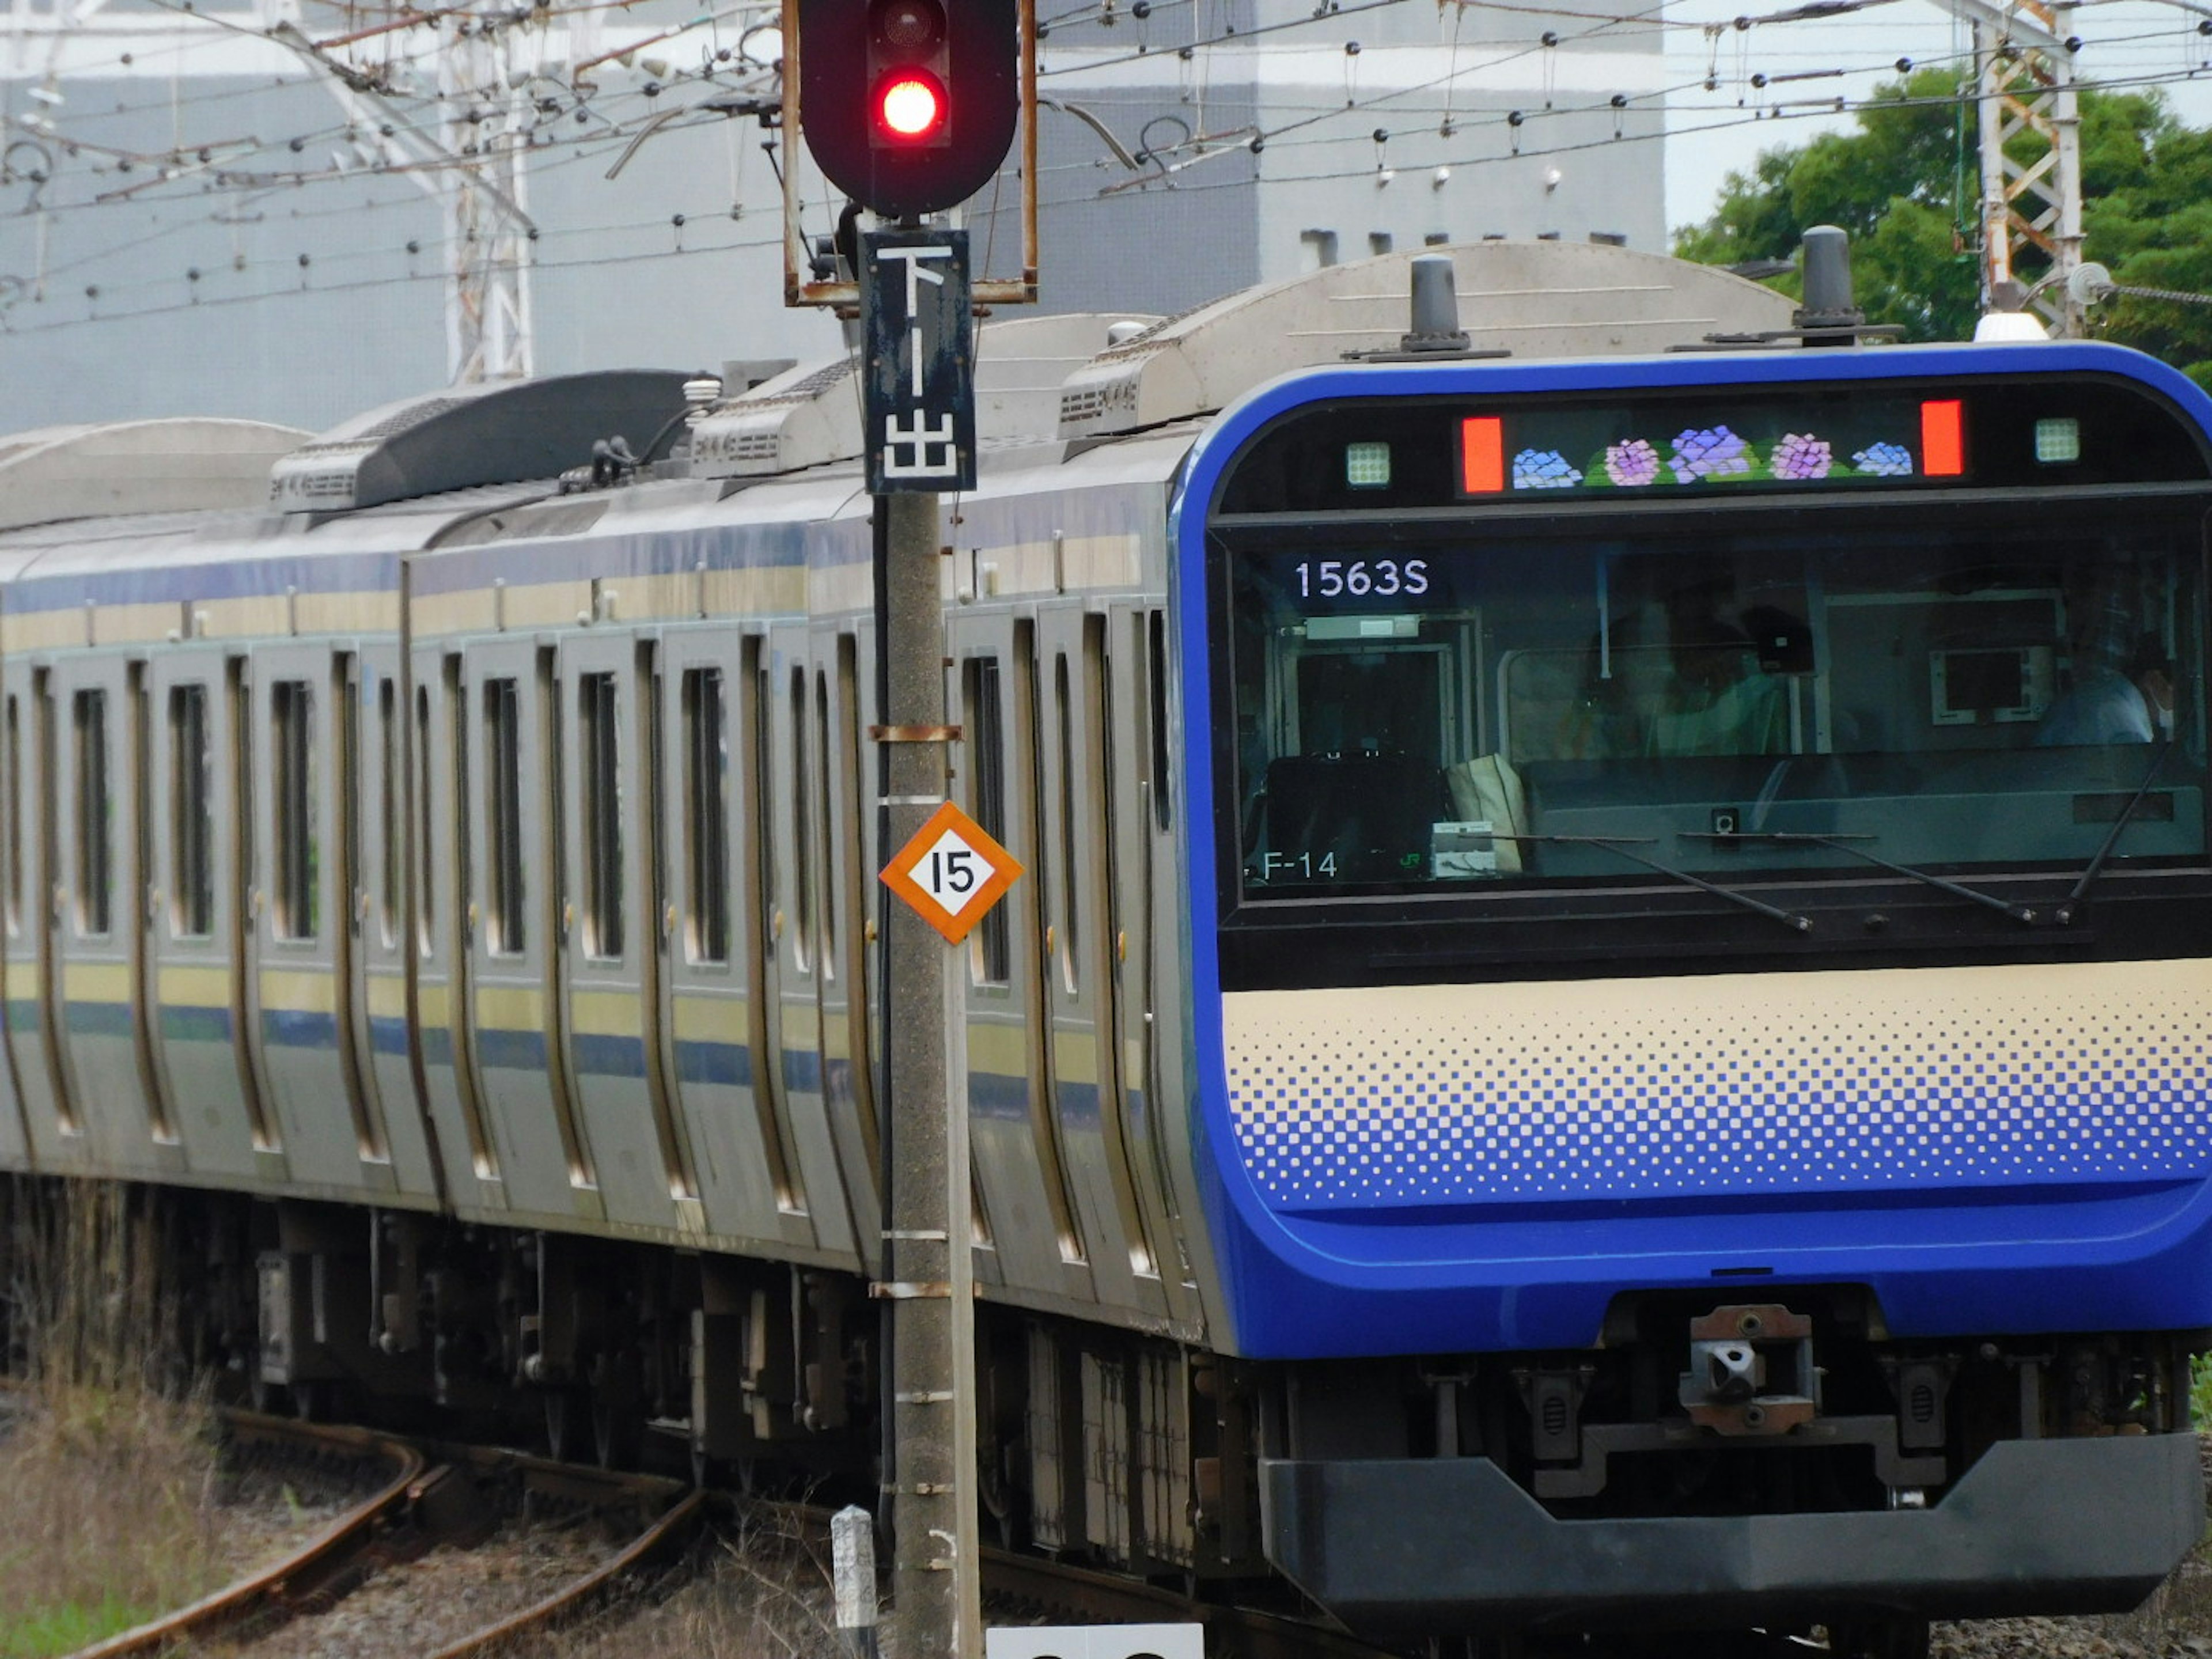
[1695,994]
[1603,1023]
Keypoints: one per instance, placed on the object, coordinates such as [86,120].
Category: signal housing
[853,52]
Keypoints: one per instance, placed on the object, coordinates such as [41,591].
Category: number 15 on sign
[951,872]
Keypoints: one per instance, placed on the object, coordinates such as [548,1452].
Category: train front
[1699,931]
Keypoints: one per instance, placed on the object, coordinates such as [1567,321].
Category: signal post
[909,107]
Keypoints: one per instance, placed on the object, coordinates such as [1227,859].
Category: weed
[109,1497]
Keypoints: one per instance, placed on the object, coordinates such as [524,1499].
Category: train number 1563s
[1329,579]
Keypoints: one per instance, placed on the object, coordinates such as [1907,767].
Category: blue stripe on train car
[1078,1104]
[609,1056]
[190,1024]
[437,1046]
[802,1071]
[299,1028]
[388,1037]
[23,1015]
[730,1064]
[511,1051]
[90,1020]
[998,1095]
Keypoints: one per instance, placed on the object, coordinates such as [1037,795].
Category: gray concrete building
[245,214]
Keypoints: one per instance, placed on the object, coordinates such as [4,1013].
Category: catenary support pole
[926,1254]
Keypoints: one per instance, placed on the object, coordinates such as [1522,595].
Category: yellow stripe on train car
[299,990]
[710,1018]
[95,981]
[387,996]
[184,987]
[1000,1048]
[1075,1056]
[606,1013]
[510,1008]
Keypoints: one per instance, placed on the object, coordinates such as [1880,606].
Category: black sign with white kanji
[919,381]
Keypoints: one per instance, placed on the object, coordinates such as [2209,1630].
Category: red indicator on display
[1481,455]
[1943,439]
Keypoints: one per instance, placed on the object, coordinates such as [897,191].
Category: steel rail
[307,1569]
[665,1531]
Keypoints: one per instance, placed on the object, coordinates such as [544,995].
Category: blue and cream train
[1608,1019]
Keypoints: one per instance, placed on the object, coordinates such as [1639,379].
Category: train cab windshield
[1463,710]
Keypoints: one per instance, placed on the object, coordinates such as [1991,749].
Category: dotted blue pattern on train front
[1449,1125]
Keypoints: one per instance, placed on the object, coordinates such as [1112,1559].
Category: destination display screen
[1712,443]
[1714,446]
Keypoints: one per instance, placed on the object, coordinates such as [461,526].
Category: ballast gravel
[414,1607]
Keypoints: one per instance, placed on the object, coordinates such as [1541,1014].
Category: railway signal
[909,106]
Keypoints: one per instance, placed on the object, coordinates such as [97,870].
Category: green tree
[1906,185]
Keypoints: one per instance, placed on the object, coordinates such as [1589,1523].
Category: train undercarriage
[1785,1461]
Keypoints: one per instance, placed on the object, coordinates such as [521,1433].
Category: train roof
[1538,299]
[174,466]
[1092,399]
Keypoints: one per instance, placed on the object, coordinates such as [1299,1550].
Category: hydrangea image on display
[1709,452]
[1884,460]
[1801,456]
[1631,465]
[1543,469]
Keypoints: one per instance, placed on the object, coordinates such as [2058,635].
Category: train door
[616,922]
[1016,1138]
[376,981]
[100,902]
[191,916]
[439,806]
[786,807]
[15,1141]
[511,750]
[34,910]
[1079,959]
[304,798]
[741,1147]
[834,720]
[1133,741]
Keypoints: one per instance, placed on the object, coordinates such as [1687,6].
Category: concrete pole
[929,1235]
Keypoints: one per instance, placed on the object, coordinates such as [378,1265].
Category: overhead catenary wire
[615,116]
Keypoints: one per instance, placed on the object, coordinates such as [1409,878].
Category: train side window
[990,957]
[802,826]
[13,787]
[426,887]
[505,934]
[763,794]
[706,815]
[95,830]
[292,781]
[387,798]
[1156,657]
[597,715]
[826,946]
[192,813]
[1071,905]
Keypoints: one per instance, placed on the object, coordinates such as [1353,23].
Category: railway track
[428,1493]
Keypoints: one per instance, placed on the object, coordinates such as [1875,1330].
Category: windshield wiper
[1621,844]
[2019,913]
[2065,916]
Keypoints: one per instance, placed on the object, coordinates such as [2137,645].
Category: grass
[109,1488]
[758,1591]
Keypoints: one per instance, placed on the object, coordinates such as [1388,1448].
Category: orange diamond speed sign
[951,872]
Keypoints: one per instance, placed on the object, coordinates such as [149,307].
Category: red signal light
[910,105]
